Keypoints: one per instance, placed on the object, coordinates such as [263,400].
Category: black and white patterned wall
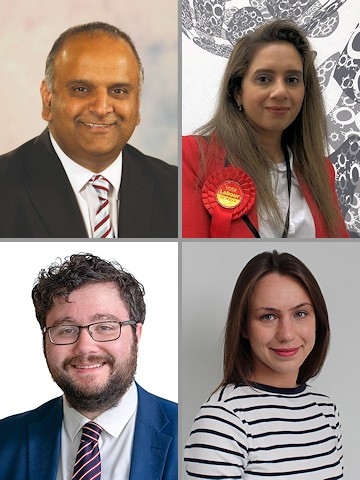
[211,28]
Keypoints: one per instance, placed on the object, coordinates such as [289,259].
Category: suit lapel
[51,193]
[44,445]
[150,445]
[136,197]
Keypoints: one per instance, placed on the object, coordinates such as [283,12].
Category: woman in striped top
[264,421]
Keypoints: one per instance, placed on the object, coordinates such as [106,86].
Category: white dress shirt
[85,193]
[115,443]
[301,223]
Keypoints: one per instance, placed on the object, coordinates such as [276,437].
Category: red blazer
[195,218]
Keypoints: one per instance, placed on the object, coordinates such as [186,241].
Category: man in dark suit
[91,313]
[49,187]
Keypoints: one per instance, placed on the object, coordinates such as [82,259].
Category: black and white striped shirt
[258,432]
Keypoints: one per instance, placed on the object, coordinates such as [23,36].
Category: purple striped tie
[88,462]
[102,223]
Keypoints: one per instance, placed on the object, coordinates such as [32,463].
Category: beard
[91,397]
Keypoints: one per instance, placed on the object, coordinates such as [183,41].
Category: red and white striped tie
[102,223]
[88,462]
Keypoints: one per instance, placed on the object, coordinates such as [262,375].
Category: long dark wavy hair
[238,360]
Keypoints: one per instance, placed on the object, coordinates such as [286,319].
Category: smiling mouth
[86,367]
[286,352]
[277,109]
[98,125]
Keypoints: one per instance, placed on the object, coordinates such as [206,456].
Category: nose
[85,343]
[101,103]
[279,90]
[285,331]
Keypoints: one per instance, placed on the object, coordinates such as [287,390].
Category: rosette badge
[227,194]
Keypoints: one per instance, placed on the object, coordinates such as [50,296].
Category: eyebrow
[269,70]
[77,82]
[273,309]
[98,317]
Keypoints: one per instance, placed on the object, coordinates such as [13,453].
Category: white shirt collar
[79,175]
[281,167]
[113,421]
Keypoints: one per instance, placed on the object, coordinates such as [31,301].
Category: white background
[209,274]
[25,380]
[28,31]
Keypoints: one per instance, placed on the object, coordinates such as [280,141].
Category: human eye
[65,330]
[105,327]
[119,91]
[263,79]
[80,91]
[267,317]
[293,79]
[301,314]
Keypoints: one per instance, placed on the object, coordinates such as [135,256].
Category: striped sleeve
[339,437]
[217,447]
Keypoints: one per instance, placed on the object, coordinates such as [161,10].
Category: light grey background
[28,31]
[25,380]
[209,273]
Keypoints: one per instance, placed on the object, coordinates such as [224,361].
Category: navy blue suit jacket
[37,200]
[30,442]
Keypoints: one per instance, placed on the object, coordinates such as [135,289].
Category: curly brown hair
[62,278]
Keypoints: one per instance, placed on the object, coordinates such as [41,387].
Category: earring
[240,108]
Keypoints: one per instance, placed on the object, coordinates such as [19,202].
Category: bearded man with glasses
[91,313]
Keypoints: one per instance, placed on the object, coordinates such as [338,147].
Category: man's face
[93,375]
[93,108]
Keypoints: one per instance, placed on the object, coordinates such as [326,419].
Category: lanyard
[247,220]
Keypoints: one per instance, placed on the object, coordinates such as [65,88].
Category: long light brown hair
[238,359]
[306,136]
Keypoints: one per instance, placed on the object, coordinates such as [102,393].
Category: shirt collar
[281,167]
[79,175]
[113,421]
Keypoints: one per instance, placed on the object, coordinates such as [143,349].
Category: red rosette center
[229,190]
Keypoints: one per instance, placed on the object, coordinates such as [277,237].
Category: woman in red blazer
[258,167]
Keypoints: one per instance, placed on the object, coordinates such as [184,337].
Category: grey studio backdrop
[209,273]
[28,31]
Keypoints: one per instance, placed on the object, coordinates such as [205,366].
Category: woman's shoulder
[194,142]
[209,148]
[235,394]
[322,399]
[232,394]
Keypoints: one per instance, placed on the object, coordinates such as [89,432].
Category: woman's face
[272,90]
[281,329]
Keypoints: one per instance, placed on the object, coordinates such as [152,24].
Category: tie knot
[101,185]
[91,432]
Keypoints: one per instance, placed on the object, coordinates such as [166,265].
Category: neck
[91,415]
[272,146]
[277,381]
[275,153]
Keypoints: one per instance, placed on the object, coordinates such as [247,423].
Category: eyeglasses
[100,332]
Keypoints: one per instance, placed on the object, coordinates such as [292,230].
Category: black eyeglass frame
[87,327]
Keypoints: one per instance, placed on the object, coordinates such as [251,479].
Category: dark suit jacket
[30,442]
[37,200]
